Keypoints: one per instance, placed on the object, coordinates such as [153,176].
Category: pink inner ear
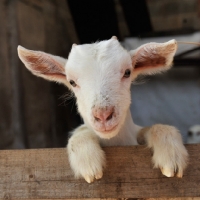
[46,67]
[153,56]
[150,62]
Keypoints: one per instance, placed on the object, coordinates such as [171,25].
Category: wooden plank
[169,15]
[37,94]
[45,174]
[11,129]
[6,84]
[44,25]
[181,198]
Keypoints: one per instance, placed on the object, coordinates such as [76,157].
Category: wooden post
[46,174]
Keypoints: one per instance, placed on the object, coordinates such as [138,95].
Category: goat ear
[152,58]
[44,65]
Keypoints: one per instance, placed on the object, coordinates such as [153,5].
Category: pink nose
[103,115]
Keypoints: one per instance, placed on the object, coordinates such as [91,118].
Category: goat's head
[100,76]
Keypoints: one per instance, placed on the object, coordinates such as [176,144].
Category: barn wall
[30,107]
[173,15]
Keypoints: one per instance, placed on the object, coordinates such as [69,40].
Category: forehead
[102,55]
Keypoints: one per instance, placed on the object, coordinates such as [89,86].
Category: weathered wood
[6,96]
[174,14]
[30,111]
[11,123]
[44,25]
[45,174]
[37,95]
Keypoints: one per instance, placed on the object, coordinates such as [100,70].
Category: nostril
[97,119]
[109,117]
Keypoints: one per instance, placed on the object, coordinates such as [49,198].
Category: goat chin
[108,134]
[113,129]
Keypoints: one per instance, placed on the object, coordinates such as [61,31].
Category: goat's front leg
[86,157]
[169,153]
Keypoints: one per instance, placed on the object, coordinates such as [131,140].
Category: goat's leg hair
[169,153]
[86,157]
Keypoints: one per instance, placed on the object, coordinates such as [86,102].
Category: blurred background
[35,113]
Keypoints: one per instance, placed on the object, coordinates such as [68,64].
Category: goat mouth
[108,130]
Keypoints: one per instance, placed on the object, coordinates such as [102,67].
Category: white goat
[100,75]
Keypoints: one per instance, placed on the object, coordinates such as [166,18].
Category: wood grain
[32,114]
[174,15]
[43,25]
[11,122]
[6,97]
[45,174]
[36,92]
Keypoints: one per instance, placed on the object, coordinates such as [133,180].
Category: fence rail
[46,174]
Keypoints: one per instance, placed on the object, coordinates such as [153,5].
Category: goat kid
[100,75]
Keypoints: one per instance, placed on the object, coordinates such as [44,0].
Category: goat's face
[100,75]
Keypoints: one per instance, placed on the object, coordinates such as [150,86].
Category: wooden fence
[45,174]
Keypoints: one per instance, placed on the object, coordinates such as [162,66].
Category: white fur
[105,90]
[86,156]
[169,153]
[103,100]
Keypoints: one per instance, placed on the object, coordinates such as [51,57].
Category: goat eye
[72,83]
[127,73]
